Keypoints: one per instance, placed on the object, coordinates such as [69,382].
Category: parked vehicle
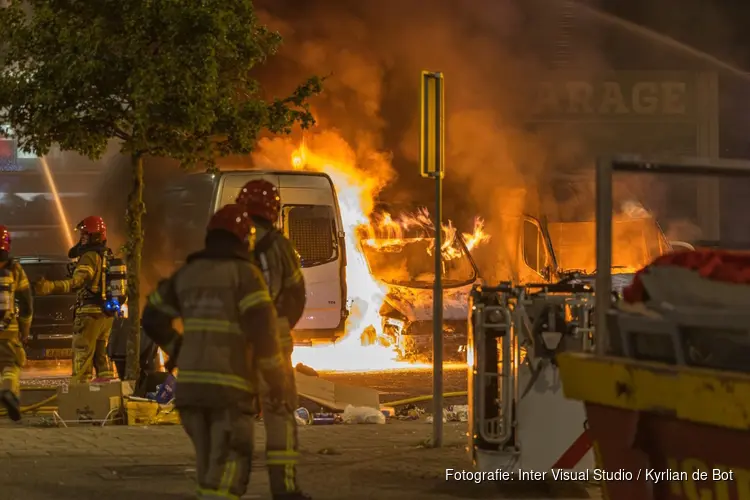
[51,334]
[310,217]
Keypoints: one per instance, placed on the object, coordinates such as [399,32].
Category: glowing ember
[356,191]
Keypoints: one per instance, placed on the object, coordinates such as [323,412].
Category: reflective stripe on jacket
[219,355]
[19,284]
[283,274]
[87,281]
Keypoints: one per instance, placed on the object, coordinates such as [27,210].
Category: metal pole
[602,292]
[437,314]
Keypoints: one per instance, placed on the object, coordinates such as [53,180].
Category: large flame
[356,191]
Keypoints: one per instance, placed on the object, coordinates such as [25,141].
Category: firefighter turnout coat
[282,271]
[91,326]
[229,327]
[16,328]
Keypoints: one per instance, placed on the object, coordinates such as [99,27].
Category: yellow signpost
[432,137]
[432,164]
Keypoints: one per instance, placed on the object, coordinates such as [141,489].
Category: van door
[536,263]
[311,219]
[312,222]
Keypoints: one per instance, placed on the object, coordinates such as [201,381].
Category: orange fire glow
[356,191]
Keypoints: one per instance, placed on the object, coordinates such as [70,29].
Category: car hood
[416,303]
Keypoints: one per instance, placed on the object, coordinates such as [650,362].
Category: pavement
[338,462]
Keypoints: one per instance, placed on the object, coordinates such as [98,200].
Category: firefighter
[91,324]
[281,269]
[229,338]
[15,323]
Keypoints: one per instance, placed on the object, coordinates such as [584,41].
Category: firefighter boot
[11,404]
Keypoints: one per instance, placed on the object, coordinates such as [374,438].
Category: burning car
[404,263]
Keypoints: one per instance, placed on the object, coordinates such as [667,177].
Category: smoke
[491,52]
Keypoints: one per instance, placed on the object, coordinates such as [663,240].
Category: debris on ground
[363,415]
[306,370]
[454,413]
[430,418]
[409,412]
[302,416]
[458,413]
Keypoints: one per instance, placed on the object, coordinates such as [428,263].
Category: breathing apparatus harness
[113,282]
[8,309]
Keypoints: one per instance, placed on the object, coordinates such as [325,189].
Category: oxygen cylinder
[117,280]
[7,303]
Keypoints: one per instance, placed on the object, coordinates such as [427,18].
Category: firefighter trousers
[12,359]
[90,337]
[223,442]
[282,448]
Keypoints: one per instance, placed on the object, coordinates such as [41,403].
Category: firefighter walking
[229,339]
[15,323]
[91,324]
[281,269]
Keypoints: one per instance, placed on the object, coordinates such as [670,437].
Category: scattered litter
[388,411]
[409,412]
[326,419]
[430,417]
[458,413]
[302,416]
[363,415]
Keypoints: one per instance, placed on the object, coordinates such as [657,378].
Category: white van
[310,217]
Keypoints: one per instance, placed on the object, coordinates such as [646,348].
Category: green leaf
[168,78]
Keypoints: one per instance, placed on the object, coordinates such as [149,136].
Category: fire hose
[43,404]
[419,399]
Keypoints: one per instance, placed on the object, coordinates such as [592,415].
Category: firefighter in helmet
[229,337]
[91,324]
[15,323]
[281,269]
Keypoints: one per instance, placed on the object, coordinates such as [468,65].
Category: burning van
[404,264]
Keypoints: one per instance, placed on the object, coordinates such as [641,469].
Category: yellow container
[150,413]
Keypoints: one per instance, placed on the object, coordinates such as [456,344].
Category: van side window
[312,231]
[534,253]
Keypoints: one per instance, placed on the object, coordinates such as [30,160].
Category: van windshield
[408,262]
[635,243]
[312,231]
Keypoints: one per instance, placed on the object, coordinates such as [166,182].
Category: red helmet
[234,219]
[92,226]
[4,239]
[261,199]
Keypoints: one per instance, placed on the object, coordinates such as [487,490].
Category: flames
[356,191]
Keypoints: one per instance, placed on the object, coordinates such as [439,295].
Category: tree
[166,78]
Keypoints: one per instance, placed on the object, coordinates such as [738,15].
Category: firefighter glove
[43,287]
